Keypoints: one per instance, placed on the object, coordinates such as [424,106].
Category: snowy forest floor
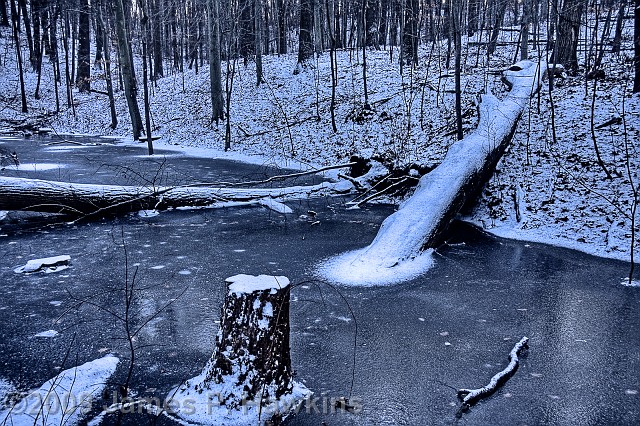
[547,188]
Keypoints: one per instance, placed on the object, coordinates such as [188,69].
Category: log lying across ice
[398,251]
[471,396]
[84,199]
[90,199]
[249,376]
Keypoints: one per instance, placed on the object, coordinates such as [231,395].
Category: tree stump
[248,379]
[252,347]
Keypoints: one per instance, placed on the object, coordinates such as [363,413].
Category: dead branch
[471,396]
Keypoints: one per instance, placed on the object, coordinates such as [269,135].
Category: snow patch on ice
[275,206]
[47,265]
[633,283]
[352,269]
[38,167]
[48,333]
[65,399]
[148,213]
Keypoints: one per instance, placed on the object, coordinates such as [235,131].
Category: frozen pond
[453,327]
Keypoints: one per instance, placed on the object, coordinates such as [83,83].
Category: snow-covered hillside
[548,188]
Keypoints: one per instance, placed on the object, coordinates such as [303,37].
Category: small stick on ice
[471,396]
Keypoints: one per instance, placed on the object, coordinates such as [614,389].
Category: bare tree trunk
[330,10]
[372,23]
[83,200]
[27,26]
[524,29]
[145,82]
[617,38]
[474,11]
[83,74]
[566,50]
[107,62]
[36,10]
[456,17]
[282,27]
[127,70]
[636,46]
[157,16]
[501,8]
[215,66]
[99,57]
[4,16]
[305,42]
[16,39]
[257,11]
[409,52]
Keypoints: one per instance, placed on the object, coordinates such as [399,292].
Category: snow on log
[471,396]
[88,199]
[66,398]
[249,375]
[400,251]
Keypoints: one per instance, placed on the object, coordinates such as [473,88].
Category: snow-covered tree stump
[252,347]
[249,376]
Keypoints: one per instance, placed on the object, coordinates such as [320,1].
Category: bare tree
[257,12]
[215,67]
[16,39]
[409,51]
[83,74]
[4,17]
[127,70]
[566,50]
[636,46]
[305,43]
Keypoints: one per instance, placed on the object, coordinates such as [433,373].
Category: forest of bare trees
[172,35]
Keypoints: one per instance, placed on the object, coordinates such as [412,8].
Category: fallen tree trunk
[83,200]
[394,254]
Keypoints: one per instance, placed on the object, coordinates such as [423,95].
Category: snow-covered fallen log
[471,396]
[65,399]
[400,250]
[87,199]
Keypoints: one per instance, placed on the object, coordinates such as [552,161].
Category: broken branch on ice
[471,396]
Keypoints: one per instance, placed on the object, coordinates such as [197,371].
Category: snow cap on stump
[244,284]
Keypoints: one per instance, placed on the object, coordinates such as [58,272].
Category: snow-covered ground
[563,196]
